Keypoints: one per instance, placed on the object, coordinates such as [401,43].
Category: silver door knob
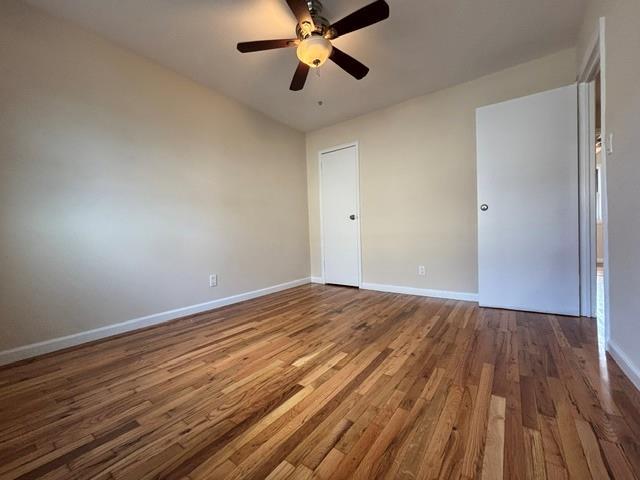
[484,207]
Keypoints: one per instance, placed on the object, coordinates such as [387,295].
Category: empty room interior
[304,239]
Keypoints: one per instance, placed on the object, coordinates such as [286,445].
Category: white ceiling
[424,46]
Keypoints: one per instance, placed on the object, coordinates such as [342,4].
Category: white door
[340,216]
[527,167]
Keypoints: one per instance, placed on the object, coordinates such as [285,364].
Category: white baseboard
[47,346]
[422,292]
[317,280]
[624,362]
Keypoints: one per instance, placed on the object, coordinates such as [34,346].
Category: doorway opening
[594,146]
[598,220]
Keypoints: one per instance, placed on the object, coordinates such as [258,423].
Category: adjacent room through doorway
[599,237]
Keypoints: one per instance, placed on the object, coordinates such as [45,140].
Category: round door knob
[352,217]
[484,207]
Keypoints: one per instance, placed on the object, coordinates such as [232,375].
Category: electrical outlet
[422,270]
[213,280]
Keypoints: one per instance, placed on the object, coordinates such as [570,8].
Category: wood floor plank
[536,465]
[477,431]
[326,382]
[592,450]
[571,446]
[433,457]
[617,462]
[492,464]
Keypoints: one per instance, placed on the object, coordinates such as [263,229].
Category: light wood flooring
[329,383]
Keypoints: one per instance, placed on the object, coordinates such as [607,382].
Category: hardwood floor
[329,383]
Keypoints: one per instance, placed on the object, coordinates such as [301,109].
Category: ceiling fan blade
[261,45]
[300,10]
[349,64]
[300,77]
[372,13]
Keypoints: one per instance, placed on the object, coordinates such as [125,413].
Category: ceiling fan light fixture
[314,50]
[313,38]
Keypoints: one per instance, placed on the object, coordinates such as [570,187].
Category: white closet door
[340,216]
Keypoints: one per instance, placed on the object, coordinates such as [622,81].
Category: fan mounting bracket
[321,24]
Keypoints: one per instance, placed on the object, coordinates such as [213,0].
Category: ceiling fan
[314,34]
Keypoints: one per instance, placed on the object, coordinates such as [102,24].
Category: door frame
[594,61]
[358,216]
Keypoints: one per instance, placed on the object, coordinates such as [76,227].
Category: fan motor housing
[322,25]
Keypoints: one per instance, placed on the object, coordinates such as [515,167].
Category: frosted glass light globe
[314,50]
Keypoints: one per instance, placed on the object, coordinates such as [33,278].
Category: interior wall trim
[624,362]
[54,344]
[422,292]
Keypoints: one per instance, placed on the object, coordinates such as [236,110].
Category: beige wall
[623,166]
[418,181]
[123,185]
